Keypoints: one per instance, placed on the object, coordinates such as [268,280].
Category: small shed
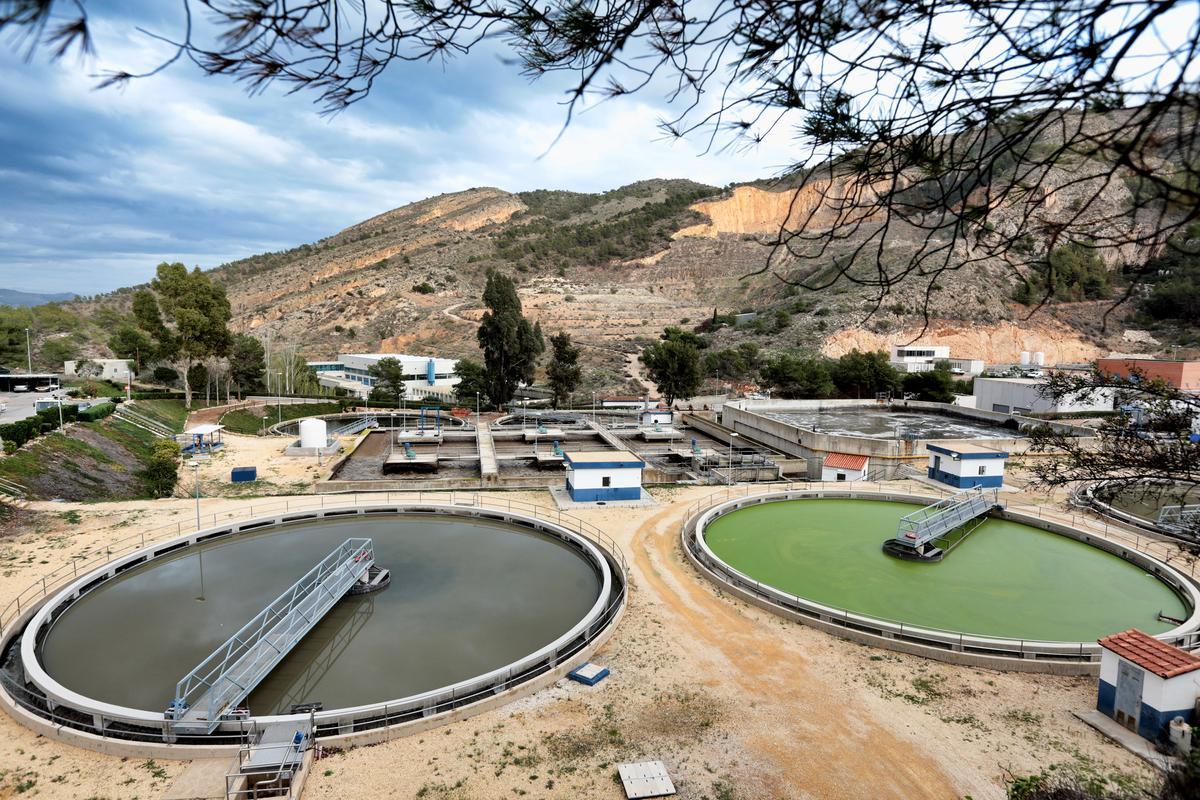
[657,416]
[603,475]
[204,437]
[964,465]
[844,467]
[1145,683]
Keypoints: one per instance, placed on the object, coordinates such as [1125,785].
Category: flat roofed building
[1145,682]
[1183,375]
[964,465]
[1027,396]
[918,357]
[110,369]
[603,475]
[424,376]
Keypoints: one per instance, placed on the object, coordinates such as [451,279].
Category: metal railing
[380,715]
[1179,519]
[896,629]
[933,521]
[228,674]
[137,420]
[13,490]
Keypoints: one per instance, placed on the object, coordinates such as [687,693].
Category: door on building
[1128,705]
[937,464]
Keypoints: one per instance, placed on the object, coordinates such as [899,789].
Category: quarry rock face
[816,205]
[1000,343]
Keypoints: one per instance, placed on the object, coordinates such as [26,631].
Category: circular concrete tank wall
[481,601]
[1019,592]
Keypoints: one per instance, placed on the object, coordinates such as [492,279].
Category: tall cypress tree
[510,344]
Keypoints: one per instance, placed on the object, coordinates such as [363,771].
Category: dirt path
[815,747]
[633,363]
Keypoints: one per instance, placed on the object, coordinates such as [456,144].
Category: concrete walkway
[489,472]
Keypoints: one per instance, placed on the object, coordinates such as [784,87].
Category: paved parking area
[19,405]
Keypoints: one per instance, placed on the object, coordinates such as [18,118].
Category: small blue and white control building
[1145,683]
[603,475]
[657,416]
[964,465]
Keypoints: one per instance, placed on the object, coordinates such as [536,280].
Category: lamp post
[593,408]
[477,411]
[28,354]
[200,551]
[278,399]
[732,436]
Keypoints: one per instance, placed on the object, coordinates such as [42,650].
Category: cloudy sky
[97,187]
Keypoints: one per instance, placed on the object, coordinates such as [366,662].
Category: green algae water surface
[1006,580]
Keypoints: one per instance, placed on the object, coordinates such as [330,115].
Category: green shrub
[165,375]
[423,288]
[162,468]
[98,411]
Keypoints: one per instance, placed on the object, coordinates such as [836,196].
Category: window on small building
[606,480]
[983,470]
[841,476]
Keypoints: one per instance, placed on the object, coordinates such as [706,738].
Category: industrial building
[964,465]
[1145,683]
[602,476]
[1183,375]
[1027,396]
[924,357]
[425,376]
[110,369]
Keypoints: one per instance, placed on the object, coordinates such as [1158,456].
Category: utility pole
[732,436]
[278,399]
[477,410]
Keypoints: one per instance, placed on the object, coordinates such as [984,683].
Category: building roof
[845,461]
[963,448]
[591,457]
[203,429]
[1154,655]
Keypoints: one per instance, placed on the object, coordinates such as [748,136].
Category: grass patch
[252,421]
[169,413]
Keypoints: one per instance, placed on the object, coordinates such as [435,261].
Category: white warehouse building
[924,357]
[109,369]
[1025,396]
[425,376]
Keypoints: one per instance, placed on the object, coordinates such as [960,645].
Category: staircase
[13,494]
[131,417]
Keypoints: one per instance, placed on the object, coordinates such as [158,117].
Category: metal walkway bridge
[929,533]
[207,694]
[1180,520]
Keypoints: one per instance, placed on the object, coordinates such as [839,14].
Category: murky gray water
[1146,502]
[466,597]
[879,424]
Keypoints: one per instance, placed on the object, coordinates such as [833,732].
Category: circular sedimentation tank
[478,602]
[1010,589]
[1141,503]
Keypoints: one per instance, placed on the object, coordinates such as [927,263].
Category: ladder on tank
[929,533]
[208,694]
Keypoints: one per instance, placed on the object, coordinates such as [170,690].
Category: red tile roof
[845,461]
[1164,660]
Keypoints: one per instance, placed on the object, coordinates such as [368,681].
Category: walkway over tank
[1182,520]
[919,533]
[207,694]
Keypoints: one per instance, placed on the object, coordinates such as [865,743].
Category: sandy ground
[737,702]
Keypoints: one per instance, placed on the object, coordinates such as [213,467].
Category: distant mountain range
[15,297]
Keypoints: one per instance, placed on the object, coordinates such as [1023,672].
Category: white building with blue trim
[425,376]
[603,475]
[964,465]
[1145,683]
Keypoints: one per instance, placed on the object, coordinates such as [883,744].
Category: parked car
[46,387]
[21,387]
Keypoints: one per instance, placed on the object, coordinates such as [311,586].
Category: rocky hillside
[615,268]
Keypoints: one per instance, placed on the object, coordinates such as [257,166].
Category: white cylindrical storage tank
[1039,358]
[312,433]
[1024,358]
